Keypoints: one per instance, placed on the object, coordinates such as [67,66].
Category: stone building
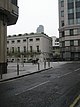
[30,46]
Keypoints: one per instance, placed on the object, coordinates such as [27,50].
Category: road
[57,87]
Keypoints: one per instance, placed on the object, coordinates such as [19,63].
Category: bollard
[38,66]
[44,64]
[1,71]
[48,64]
[17,69]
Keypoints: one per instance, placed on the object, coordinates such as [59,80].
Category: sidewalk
[25,70]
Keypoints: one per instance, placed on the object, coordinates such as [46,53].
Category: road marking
[68,73]
[77,69]
[75,101]
[64,75]
[33,87]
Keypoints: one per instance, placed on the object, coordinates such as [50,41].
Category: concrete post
[3,43]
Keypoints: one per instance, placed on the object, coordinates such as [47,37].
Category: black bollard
[1,71]
[44,64]
[38,66]
[17,69]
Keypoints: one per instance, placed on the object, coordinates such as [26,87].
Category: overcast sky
[33,13]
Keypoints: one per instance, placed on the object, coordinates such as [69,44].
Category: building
[69,29]
[30,46]
[55,41]
[40,29]
[55,48]
[8,16]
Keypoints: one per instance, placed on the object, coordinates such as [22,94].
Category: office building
[69,29]
[40,29]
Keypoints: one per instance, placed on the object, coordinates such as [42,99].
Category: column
[3,43]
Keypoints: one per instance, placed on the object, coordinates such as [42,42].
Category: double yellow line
[75,101]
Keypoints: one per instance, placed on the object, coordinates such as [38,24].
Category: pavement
[26,69]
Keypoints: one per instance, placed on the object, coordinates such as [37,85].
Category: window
[70,11]
[30,40]
[30,48]
[77,14]
[75,31]
[71,21]
[78,42]
[18,49]
[24,40]
[71,32]
[37,48]
[62,23]
[77,3]
[70,1]
[71,16]
[12,49]
[63,34]
[37,39]
[24,48]
[13,41]
[62,13]
[62,3]
[67,33]
[78,31]
[63,44]
[78,21]
[18,41]
[67,43]
[57,40]
[72,43]
[71,5]
[78,9]
[7,42]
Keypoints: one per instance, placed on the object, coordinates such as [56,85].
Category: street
[56,87]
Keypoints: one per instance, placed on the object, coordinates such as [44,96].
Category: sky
[33,13]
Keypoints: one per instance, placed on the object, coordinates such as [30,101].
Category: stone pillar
[3,43]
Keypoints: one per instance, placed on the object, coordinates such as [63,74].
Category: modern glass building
[69,29]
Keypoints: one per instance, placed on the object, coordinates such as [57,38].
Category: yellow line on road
[75,101]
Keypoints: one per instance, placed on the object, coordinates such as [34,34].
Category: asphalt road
[57,87]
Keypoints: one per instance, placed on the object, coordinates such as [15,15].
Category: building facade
[8,16]
[69,29]
[55,48]
[31,46]
[55,41]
